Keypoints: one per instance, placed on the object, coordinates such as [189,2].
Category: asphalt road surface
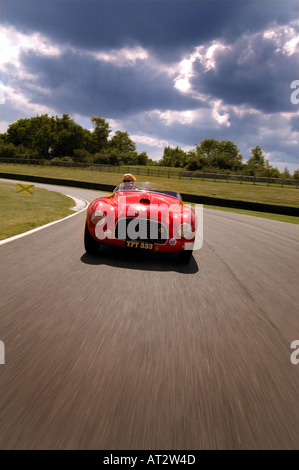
[133,351]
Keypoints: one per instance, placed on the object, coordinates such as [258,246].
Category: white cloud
[291,46]
[19,101]
[3,126]
[208,57]
[202,117]
[244,110]
[203,54]
[114,125]
[122,57]
[220,113]
[14,43]
[182,81]
[284,37]
[170,117]
[150,141]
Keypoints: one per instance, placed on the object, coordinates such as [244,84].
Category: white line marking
[80,203]
[78,209]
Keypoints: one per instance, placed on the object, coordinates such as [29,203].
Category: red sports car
[143,216]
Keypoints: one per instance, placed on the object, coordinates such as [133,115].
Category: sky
[168,72]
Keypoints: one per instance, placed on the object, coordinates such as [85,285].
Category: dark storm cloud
[251,72]
[294,123]
[170,28]
[274,134]
[86,86]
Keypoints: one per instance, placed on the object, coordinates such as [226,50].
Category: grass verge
[283,196]
[20,212]
[263,215]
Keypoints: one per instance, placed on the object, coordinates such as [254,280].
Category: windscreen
[147,186]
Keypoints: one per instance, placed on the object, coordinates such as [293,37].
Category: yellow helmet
[128,177]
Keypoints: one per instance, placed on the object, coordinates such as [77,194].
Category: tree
[12,151]
[102,158]
[3,138]
[51,137]
[8,150]
[114,157]
[153,162]
[167,157]
[192,162]
[82,155]
[222,155]
[125,146]
[207,149]
[176,157]
[100,134]
[274,172]
[142,159]
[122,142]
[286,174]
[256,163]
[37,133]
[68,137]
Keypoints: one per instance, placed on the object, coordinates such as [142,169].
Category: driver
[128,181]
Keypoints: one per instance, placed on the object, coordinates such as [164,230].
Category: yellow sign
[25,189]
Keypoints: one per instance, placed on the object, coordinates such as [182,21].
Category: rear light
[98,217]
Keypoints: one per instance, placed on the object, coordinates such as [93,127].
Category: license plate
[141,245]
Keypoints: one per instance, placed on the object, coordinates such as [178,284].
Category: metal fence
[159,172]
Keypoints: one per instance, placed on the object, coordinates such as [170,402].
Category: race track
[132,351]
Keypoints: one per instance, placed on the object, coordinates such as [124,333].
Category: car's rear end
[142,220]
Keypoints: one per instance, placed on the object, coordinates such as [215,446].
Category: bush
[81,155]
[8,151]
[57,160]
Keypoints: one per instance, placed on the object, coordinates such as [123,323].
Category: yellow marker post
[27,189]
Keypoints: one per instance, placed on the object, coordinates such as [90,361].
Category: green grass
[263,215]
[20,212]
[285,196]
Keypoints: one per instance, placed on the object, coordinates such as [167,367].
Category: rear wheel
[185,256]
[91,245]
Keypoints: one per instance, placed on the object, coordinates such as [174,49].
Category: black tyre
[185,256]
[91,245]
